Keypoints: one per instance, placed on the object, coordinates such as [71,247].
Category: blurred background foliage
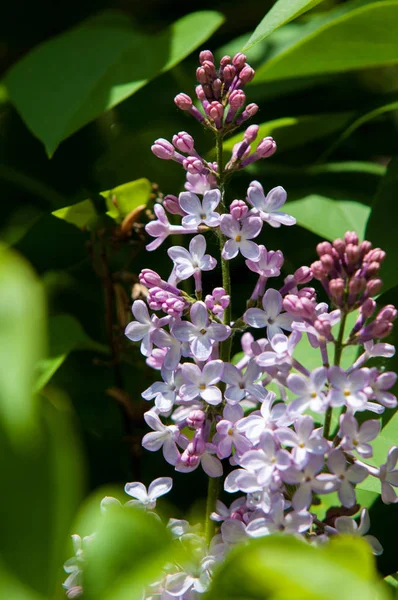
[86,87]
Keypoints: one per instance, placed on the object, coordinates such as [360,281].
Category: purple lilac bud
[163,149]
[206,55]
[251,133]
[215,111]
[303,275]
[183,142]
[184,102]
[250,111]
[238,209]
[239,60]
[192,164]
[172,205]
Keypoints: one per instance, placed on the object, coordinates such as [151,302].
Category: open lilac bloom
[349,526]
[309,391]
[277,520]
[378,385]
[240,384]
[144,498]
[388,476]
[165,392]
[268,265]
[189,263]
[144,327]
[305,440]
[309,479]
[282,351]
[240,236]
[271,316]
[264,461]
[228,435]
[270,417]
[348,390]
[345,477]
[355,438]
[200,333]
[161,228]
[163,436]
[202,382]
[197,211]
[267,206]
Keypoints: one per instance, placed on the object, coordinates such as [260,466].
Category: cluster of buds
[214,413]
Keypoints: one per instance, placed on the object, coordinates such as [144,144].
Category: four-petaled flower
[144,498]
[189,263]
[240,236]
[200,212]
[345,477]
[267,206]
[271,316]
[202,382]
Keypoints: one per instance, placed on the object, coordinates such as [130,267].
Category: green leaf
[356,35]
[123,199]
[382,225]
[65,335]
[11,587]
[128,552]
[291,132]
[281,567]
[283,11]
[82,214]
[330,218]
[114,60]
[22,343]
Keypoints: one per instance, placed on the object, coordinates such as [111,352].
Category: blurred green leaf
[290,132]
[22,343]
[128,552]
[65,334]
[330,218]
[392,582]
[381,229]
[355,35]
[282,567]
[81,214]
[123,199]
[281,12]
[10,587]
[55,98]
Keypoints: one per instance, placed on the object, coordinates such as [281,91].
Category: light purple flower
[200,212]
[144,327]
[388,476]
[240,235]
[162,436]
[348,390]
[161,228]
[147,499]
[200,333]
[202,382]
[165,392]
[217,301]
[282,351]
[269,417]
[355,437]
[240,384]
[194,261]
[309,479]
[337,464]
[264,461]
[271,316]
[222,512]
[378,385]
[305,440]
[269,263]
[190,461]
[164,339]
[267,206]
[199,183]
[309,391]
[291,523]
[227,435]
[348,526]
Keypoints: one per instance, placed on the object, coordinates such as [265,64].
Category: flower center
[347,393]
[238,238]
[203,331]
[202,386]
[313,395]
[230,431]
[301,445]
[203,216]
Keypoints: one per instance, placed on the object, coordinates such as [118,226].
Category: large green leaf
[283,567]
[330,218]
[22,343]
[382,225]
[127,553]
[283,11]
[291,132]
[356,35]
[65,335]
[68,81]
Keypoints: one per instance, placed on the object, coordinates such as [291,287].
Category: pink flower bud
[323,327]
[172,205]
[327,262]
[239,60]
[339,246]
[196,418]
[228,74]
[324,248]
[373,287]
[351,237]
[238,209]
[318,270]
[266,148]
[237,99]
[217,85]
[365,247]
[251,133]
[372,269]
[376,254]
[303,275]
[183,142]
[210,70]
[206,55]
[357,285]
[246,74]
[150,278]
[215,110]
[368,307]
[200,93]
[193,164]
[183,101]
[387,313]
[163,149]
[336,290]
[201,75]
[353,253]
[226,60]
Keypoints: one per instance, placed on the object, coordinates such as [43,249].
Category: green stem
[338,350]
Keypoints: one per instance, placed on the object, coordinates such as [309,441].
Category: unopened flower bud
[250,111]
[373,287]
[183,142]
[251,133]
[357,285]
[215,111]
[163,149]
[239,60]
[350,237]
[238,209]
[225,60]
[206,55]
[183,101]
[339,246]
[228,75]
[200,93]
[352,253]
[327,262]
[201,75]
[365,247]
[149,278]
[193,164]
[217,85]
[246,74]
[336,290]
[172,205]
[237,99]
[324,248]
[318,270]
[376,254]
[307,292]
[372,269]
[266,148]
[387,313]
[196,418]
[209,67]
[303,275]
[368,307]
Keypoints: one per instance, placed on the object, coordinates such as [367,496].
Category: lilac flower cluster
[263,421]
